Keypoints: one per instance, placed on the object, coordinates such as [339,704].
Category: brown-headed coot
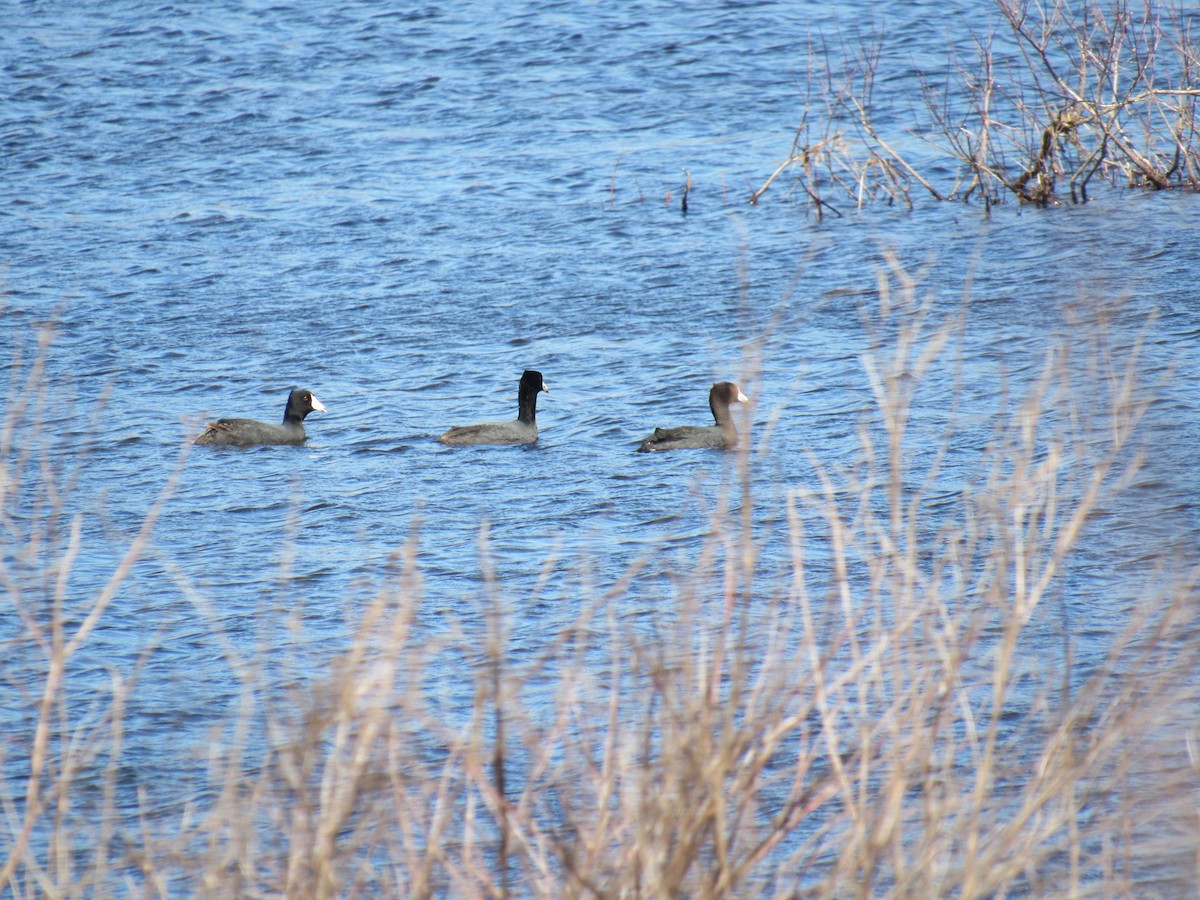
[523,430]
[722,436]
[249,433]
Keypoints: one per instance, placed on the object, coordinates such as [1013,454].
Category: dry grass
[896,708]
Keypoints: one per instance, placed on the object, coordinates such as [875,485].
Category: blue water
[403,208]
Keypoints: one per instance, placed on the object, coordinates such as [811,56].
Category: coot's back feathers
[721,436]
[522,430]
[250,432]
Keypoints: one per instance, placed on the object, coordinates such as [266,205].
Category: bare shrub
[1046,101]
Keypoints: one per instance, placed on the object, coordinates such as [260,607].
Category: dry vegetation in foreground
[896,710]
[1054,98]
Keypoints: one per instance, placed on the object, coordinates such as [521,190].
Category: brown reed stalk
[874,689]
[40,473]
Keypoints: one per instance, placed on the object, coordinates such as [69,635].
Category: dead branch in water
[1047,102]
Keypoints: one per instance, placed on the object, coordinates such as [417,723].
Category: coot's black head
[726,392]
[531,385]
[532,382]
[300,403]
[722,394]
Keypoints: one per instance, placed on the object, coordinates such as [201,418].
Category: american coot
[722,436]
[248,432]
[521,431]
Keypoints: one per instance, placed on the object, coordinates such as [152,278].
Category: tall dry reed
[875,690]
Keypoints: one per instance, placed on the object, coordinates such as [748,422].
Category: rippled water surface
[402,207]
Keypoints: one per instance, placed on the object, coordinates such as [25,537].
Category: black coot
[722,436]
[523,430]
[248,432]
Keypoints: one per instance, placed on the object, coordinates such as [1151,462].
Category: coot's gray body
[523,430]
[721,436]
[250,432]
